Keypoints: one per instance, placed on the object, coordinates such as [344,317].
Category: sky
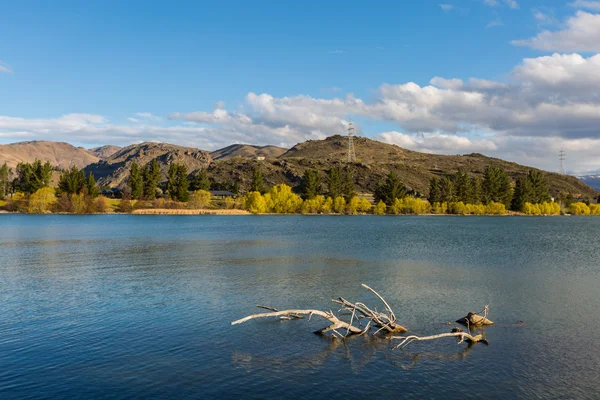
[513,79]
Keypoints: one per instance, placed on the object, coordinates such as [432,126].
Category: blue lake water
[139,306]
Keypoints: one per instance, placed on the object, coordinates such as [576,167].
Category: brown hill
[247,151]
[114,171]
[103,152]
[375,161]
[59,154]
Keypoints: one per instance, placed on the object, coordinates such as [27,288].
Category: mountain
[591,180]
[103,152]
[247,151]
[114,171]
[374,161]
[58,154]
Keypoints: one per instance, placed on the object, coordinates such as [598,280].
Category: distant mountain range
[591,180]
[111,164]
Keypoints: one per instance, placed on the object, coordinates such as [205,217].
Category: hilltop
[114,171]
[247,151]
[104,152]
[58,154]
[374,161]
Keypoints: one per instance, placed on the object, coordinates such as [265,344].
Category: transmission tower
[351,152]
[561,156]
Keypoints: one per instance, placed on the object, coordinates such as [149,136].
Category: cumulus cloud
[586,5]
[546,103]
[580,33]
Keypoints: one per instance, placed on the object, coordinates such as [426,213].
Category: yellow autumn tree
[41,201]
[282,200]
[380,208]
[339,205]
[255,203]
[579,209]
[199,199]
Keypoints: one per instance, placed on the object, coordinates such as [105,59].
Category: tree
[32,177]
[522,194]
[172,181]
[151,179]
[72,181]
[348,189]
[199,199]
[446,187]
[434,190]
[41,200]
[462,187]
[380,208]
[136,181]
[310,187]
[390,190]
[282,200]
[255,203]
[183,184]
[4,180]
[200,181]
[476,190]
[335,183]
[257,181]
[496,186]
[92,189]
[538,187]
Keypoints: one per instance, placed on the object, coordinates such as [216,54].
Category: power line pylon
[351,152]
[562,156]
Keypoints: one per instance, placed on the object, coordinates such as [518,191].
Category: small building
[221,194]
[260,158]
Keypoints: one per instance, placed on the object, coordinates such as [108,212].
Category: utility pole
[351,152]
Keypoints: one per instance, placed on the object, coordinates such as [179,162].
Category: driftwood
[358,312]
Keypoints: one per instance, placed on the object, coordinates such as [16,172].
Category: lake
[115,306]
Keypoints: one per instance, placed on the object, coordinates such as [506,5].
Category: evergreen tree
[200,181]
[496,186]
[521,195]
[3,181]
[390,190]
[538,187]
[136,182]
[32,177]
[446,188]
[183,184]
[310,187]
[92,189]
[257,181]
[172,181]
[348,188]
[476,191]
[462,187]
[72,181]
[234,186]
[434,190]
[151,178]
[335,183]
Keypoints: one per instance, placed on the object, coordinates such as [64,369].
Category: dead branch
[462,335]
[380,320]
[336,323]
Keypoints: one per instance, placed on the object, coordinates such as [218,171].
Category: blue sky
[208,74]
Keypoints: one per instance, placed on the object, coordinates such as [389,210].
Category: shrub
[579,209]
[410,205]
[495,208]
[339,205]
[101,204]
[364,206]
[41,201]
[255,203]
[380,208]
[313,206]
[327,206]
[440,208]
[200,199]
[595,209]
[229,203]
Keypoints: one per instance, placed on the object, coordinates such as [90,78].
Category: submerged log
[473,319]
[464,336]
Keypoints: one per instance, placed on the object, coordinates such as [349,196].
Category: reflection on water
[129,306]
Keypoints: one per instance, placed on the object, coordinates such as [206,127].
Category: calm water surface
[139,306]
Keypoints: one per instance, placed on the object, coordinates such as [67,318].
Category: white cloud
[148,116]
[586,5]
[580,33]
[438,143]
[494,23]
[512,4]
[336,51]
[491,3]
[4,67]
[446,7]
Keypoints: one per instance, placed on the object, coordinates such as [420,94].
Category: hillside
[247,151]
[114,171]
[58,154]
[375,161]
[103,152]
